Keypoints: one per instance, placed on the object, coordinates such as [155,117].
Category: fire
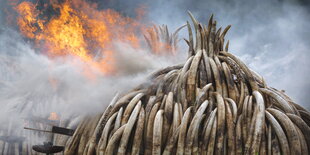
[53,116]
[28,13]
[77,28]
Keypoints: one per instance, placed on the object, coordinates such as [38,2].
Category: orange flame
[77,28]
[53,116]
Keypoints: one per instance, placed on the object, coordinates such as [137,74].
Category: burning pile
[212,104]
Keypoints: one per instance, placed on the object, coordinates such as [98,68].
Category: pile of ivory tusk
[212,104]
[160,41]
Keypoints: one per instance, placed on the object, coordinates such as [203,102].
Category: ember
[53,116]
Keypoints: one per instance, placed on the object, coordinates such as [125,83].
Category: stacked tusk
[213,104]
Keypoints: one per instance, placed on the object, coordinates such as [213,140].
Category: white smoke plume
[32,84]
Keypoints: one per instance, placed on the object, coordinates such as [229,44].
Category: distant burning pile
[212,104]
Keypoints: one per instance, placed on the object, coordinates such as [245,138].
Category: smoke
[32,84]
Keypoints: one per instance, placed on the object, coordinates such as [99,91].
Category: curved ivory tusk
[259,121]
[216,73]
[279,132]
[190,41]
[171,142]
[225,31]
[150,127]
[302,125]
[130,107]
[220,123]
[304,147]
[157,133]
[241,98]
[198,33]
[148,109]
[230,130]
[104,137]
[125,99]
[280,102]
[239,140]
[194,126]
[196,134]
[191,79]
[230,82]
[234,108]
[305,115]
[244,119]
[221,77]
[73,142]
[202,94]
[207,131]
[169,107]
[227,46]
[183,129]
[269,140]
[114,139]
[125,137]
[100,125]
[290,131]
[118,120]
[138,133]
[176,117]
[210,148]
[211,29]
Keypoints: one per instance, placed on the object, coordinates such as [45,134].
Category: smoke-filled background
[271,36]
